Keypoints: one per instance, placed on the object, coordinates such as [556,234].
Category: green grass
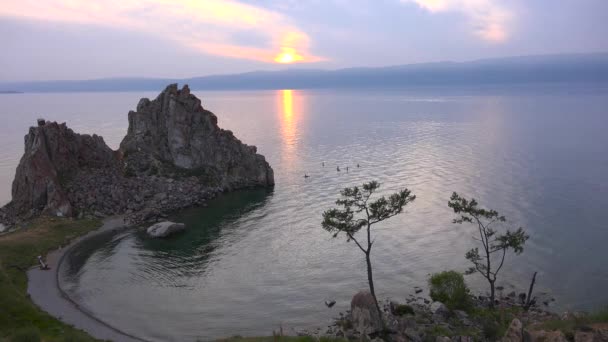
[450,288]
[20,318]
[404,309]
[434,331]
[600,316]
[495,322]
[568,326]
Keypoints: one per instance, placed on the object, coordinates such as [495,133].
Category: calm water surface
[255,260]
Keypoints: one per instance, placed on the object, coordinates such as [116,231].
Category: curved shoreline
[44,290]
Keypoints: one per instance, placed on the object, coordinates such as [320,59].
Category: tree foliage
[449,288]
[494,244]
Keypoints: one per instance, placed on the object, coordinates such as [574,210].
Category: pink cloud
[488,19]
[207,26]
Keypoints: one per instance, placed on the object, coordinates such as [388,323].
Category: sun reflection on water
[289,109]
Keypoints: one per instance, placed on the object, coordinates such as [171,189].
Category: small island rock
[164,229]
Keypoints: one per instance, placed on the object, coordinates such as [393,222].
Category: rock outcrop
[174,135]
[164,229]
[174,156]
[53,155]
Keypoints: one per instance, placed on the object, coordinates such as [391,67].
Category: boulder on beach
[365,315]
[164,229]
[439,311]
[514,332]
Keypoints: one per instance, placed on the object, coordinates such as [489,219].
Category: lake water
[256,260]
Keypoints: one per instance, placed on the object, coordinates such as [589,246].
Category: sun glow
[287,56]
[208,26]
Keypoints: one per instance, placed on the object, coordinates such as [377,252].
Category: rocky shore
[420,319]
[174,156]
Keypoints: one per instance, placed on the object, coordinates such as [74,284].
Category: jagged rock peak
[54,154]
[175,134]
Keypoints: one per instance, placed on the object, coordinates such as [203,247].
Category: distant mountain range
[510,70]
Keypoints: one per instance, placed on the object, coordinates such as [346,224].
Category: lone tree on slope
[495,246]
[355,211]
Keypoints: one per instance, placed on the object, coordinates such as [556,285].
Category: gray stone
[164,229]
[584,336]
[461,314]
[412,335]
[440,310]
[365,316]
[443,339]
[464,339]
[545,336]
[2,228]
[404,323]
[514,332]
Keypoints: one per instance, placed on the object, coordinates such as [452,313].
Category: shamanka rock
[174,156]
[174,135]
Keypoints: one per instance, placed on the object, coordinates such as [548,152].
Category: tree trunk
[492,294]
[529,297]
[370,280]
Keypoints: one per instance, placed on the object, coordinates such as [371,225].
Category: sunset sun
[287,56]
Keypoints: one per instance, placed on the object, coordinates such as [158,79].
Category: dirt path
[44,290]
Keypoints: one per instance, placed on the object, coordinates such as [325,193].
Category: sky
[88,39]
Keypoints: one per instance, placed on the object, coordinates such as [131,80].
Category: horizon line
[155,78]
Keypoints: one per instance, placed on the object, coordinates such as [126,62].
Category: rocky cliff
[174,135]
[173,156]
[53,155]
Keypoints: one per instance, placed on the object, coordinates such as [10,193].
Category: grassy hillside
[20,318]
